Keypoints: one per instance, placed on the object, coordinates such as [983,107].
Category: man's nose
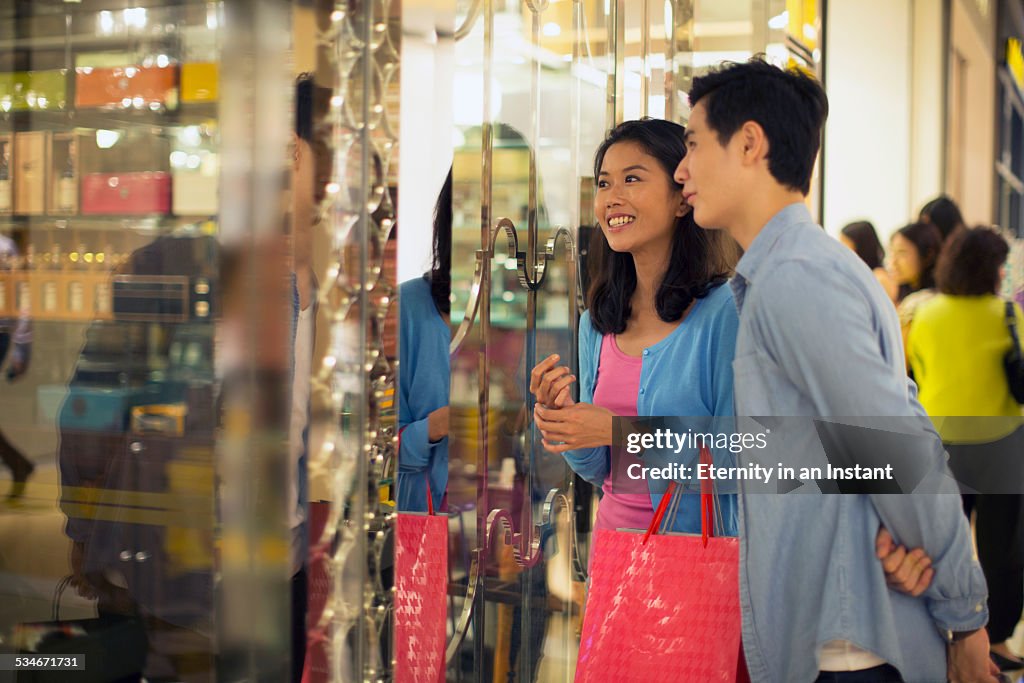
[682,173]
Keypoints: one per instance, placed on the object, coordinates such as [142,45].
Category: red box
[126,194]
[126,86]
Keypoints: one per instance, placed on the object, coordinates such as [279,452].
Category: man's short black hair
[788,104]
[304,107]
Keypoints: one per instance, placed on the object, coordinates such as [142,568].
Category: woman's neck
[650,271]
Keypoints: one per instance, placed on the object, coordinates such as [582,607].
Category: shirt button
[977,608]
[647,352]
[642,391]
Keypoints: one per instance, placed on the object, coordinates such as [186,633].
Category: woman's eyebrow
[635,167]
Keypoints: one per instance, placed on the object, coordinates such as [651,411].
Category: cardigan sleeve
[590,463]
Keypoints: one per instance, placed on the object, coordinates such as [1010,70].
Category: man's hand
[437,424]
[967,660]
[908,572]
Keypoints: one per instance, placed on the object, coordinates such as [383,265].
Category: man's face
[710,173]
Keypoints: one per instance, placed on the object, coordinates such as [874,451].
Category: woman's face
[904,261]
[636,202]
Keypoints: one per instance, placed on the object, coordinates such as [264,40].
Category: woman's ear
[683,208]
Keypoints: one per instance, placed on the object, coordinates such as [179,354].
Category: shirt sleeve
[835,354]
[590,463]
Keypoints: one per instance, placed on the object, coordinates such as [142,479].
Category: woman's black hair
[944,214]
[700,260]
[970,262]
[927,239]
[865,243]
[440,275]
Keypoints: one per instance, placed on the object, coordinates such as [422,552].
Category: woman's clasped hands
[564,424]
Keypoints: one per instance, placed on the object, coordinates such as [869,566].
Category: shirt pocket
[757,382]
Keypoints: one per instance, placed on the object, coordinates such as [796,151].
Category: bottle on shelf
[5,180]
[67,186]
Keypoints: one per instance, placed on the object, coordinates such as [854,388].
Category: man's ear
[754,142]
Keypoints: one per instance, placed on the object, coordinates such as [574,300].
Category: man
[19,332]
[818,337]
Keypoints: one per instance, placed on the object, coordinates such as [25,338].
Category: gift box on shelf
[199,82]
[126,194]
[33,90]
[31,162]
[64,173]
[126,87]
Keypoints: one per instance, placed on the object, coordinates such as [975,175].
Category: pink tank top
[618,386]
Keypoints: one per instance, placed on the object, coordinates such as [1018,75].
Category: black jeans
[10,455]
[999,526]
[878,674]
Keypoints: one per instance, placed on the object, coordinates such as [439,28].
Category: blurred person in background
[944,214]
[19,332]
[956,349]
[913,252]
[861,238]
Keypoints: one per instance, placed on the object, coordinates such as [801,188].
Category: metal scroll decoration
[353,389]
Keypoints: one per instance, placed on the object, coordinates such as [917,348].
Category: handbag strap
[58,593]
[707,505]
[1011,324]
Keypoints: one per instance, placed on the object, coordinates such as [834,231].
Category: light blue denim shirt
[818,337]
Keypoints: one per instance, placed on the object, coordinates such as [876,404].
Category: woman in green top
[956,347]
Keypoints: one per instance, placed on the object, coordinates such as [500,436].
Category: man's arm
[831,343]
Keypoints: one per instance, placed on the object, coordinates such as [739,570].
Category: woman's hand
[581,425]
[437,424]
[550,384]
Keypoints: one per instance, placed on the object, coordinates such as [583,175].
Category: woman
[956,347]
[913,251]
[659,334]
[944,214]
[860,237]
[424,337]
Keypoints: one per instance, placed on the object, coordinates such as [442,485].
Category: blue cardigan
[423,380]
[686,374]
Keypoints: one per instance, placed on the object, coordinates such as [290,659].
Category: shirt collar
[755,256]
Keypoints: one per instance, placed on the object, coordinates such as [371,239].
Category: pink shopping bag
[421,596]
[662,607]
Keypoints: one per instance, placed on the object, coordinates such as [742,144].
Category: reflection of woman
[861,238]
[424,308]
[914,250]
[956,348]
[660,332]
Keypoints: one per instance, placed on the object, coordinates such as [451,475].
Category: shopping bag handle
[707,505]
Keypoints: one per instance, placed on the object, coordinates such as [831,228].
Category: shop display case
[109,168]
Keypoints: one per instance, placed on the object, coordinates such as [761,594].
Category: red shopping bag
[421,595]
[662,607]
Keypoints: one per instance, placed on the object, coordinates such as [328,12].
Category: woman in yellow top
[956,347]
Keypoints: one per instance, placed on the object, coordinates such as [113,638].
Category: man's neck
[759,210]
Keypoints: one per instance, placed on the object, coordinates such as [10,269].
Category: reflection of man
[134,489]
[19,333]
[818,337]
[308,188]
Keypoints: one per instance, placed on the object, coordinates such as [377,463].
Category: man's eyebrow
[688,134]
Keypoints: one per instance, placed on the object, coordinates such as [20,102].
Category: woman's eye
[602,183]
[631,178]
